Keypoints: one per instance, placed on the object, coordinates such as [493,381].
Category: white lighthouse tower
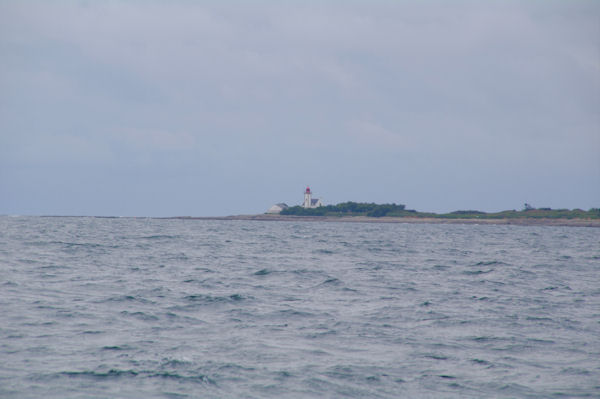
[309,201]
[307,198]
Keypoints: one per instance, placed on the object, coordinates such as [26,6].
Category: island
[313,209]
[360,212]
[394,210]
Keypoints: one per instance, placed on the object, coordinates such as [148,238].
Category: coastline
[389,219]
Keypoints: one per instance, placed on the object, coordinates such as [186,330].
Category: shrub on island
[398,210]
[348,209]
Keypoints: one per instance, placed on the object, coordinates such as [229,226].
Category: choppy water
[132,308]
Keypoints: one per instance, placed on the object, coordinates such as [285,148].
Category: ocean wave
[171,308]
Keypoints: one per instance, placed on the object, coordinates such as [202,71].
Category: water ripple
[185,308]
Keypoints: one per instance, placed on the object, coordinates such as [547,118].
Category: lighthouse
[307,198]
[309,202]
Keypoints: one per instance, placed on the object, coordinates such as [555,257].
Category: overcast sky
[195,108]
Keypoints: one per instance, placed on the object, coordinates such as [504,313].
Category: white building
[310,202]
[277,208]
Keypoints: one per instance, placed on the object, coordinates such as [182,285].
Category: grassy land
[393,210]
[546,213]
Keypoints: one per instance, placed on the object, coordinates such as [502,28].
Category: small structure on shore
[277,208]
[310,202]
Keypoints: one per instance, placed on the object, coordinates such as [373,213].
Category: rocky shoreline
[366,219]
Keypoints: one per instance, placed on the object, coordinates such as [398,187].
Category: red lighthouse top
[307,190]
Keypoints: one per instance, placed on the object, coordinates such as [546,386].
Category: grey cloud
[346,90]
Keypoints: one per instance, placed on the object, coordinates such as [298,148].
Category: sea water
[167,308]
